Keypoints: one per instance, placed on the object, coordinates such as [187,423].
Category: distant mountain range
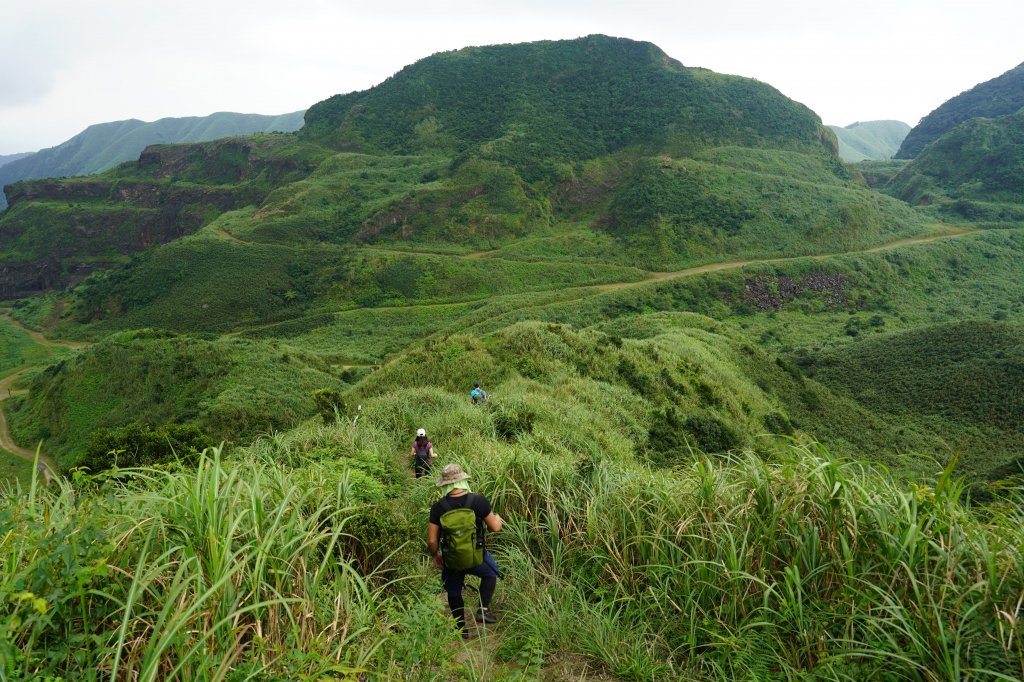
[7,158]
[105,145]
[1000,96]
[870,140]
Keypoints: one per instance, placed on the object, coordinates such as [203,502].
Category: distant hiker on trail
[422,453]
[455,539]
[477,395]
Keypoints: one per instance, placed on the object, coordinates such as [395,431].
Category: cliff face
[57,232]
[105,145]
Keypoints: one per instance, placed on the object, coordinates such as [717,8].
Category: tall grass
[298,558]
[760,569]
[225,572]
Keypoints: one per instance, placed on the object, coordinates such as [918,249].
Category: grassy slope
[235,389]
[981,160]
[960,379]
[17,351]
[997,97]
[785,565]
[870,140]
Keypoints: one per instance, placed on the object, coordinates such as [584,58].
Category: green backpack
[462,538]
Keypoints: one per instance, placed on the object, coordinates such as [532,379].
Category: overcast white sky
[66,64]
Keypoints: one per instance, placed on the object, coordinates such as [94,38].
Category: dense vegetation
[535,105]
[866,140]
[288,559]
[231,388]
[1000,96]
[978,162]
[672,289]
[105,145]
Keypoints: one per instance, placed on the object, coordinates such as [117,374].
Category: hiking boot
[484,616]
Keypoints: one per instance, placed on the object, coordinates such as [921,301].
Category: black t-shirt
[478,503]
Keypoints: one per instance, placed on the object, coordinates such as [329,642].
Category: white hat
[421,432]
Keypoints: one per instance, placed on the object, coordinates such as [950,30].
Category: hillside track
[582,291]
[6,441]
[735,265]
[42,340]
[6,382]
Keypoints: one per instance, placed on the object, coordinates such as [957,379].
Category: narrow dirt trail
[655,277]
[6,440]
[735,265]
[42,340]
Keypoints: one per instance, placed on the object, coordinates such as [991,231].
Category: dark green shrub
[512,419]
[379,540]
[666,438]
[711,434]
[632,375]
[778,423]
[329,404]
[141,445]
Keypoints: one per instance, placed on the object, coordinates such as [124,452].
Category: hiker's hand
[438,561]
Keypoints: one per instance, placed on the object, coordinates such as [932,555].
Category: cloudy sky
[66,64]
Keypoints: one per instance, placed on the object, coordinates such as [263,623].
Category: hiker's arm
[433,547]
[493,522]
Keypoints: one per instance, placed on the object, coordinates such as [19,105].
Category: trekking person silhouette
[455,540]
[422,453]
[478,395]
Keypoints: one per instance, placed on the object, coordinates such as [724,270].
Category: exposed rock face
[62,230]
[138,194]
[772,292]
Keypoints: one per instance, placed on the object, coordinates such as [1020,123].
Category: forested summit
[560,100]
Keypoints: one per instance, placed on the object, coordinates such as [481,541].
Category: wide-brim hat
[452,473]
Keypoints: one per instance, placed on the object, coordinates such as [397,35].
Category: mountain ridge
[102,146]
[870,140]
[999,96]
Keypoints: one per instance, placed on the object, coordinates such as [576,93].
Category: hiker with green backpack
[455,540]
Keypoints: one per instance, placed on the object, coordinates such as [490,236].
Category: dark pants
[454,581]
[421,466]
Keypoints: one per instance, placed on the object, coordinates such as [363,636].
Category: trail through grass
[7,382]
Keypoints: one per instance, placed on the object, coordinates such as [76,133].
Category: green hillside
[981,160]
[784,563]
[230,389]
[7,158]
[534,105]
[750,418]
[58,231]
[106,145]
[870,140]
[546,177]
[960,379]
[1000,96]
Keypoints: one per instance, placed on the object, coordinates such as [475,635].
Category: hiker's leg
[453,583]
[488,573]
[487,586]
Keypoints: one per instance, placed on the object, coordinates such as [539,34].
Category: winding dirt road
[734,265]
[6,441]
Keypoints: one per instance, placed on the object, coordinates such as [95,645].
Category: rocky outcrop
[772,292]
[56,232]
[68,230]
